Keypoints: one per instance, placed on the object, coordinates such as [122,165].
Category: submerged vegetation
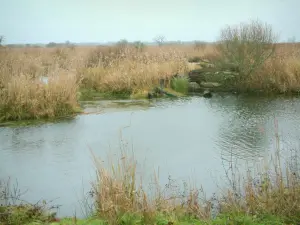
[246,57]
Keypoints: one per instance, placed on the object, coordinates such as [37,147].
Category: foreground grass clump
[270,197]
[14,211]
[23,214]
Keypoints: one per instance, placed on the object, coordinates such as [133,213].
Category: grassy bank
[78,74]
[120,200]
[255,61]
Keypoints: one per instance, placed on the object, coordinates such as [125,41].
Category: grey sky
[42,21]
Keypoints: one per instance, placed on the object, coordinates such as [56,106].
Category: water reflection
[249,128]
[181,137]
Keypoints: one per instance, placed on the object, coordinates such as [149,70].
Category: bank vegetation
[48,82]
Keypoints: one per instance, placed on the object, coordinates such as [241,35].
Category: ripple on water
[179,136]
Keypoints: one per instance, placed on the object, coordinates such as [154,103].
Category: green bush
[247,46]
[180,84]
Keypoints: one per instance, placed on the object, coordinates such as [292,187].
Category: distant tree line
[65,44]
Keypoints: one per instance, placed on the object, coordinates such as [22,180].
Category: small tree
[1,40]
[51,44]
[159,40]
[123,43]
[246,46]
[139,46]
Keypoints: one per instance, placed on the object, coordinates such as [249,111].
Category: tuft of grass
[119,198]
[180,84]
[14,211]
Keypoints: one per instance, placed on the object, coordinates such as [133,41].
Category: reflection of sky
[184,139]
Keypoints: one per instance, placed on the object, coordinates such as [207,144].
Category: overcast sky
[43,21]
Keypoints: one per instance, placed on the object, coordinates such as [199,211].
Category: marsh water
[187,139]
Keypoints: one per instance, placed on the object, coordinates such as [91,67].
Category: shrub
[1,40]
[180,84]
[199,45]
[139,46]
[247,46]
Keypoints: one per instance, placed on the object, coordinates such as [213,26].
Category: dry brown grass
[117,195]
[280,73]
[272,189]
[118,69]
[114,69]
[24,96]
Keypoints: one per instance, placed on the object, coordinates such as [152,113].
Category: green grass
[131,219]
[92,94]
[37,122]
[180,84]
[28,216]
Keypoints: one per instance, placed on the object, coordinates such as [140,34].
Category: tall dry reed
[119,192]
[271,188]
[129,70]
[116,69]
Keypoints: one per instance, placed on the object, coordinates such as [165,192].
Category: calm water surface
[185,138]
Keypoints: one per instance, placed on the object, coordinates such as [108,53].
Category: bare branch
[247,45]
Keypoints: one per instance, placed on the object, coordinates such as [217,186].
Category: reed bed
[119,69]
